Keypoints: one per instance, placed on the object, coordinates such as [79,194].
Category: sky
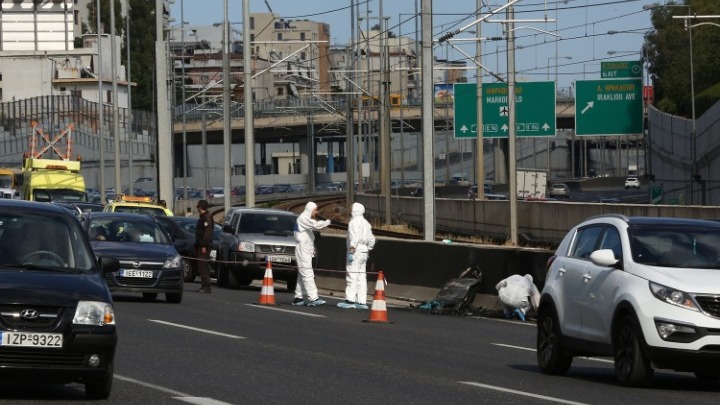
[569,47]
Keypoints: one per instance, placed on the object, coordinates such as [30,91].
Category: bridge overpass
[327,123]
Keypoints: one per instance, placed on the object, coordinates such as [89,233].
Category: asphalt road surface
[221,348]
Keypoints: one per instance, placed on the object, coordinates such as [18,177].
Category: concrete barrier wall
[419,269]
[547,221]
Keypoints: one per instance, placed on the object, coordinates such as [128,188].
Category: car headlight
[673,296]
[172,263]
[94,313]
[246,247]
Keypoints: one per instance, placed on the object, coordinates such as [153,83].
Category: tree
[377,27]
[142,40]
[667,48]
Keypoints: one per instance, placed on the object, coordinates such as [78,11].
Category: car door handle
[587,277]
[561,271]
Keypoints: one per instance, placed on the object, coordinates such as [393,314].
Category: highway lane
[220,348]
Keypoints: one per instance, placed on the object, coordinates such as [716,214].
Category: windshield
[676,247]
[134,209]
[6,181]
[138,230]
[38,241]
[263,223]
[59,195]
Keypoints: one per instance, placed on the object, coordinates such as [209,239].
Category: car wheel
[149,296]
[632,367]
[222,275]
[174,298]
[188,272]
[291,284]
[551,355]
[707,377]
[100,389]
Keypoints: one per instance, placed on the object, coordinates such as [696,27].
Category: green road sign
[621,69]
[534,104]
[656,194]
[608,107]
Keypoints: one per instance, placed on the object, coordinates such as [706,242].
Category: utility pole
[249,134]
[385,130]
[479,156]
[164,128]
[116,117]
[428,121]
[512,160]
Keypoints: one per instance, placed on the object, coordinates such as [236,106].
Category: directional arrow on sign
[464,129]
[504,128]
[545,127]
[590,105]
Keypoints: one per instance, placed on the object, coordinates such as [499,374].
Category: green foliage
[668,52]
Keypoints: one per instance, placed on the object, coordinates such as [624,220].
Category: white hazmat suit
[360,242]
[518,294]
[306,292]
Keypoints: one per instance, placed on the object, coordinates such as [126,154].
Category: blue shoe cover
[361,306]
[316,303]
[519,314]
[346,305]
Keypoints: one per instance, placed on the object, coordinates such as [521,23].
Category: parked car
[264,189]
[297,188]
[253,237]
[182,234]
[632,182]
[149,263]
[559,190]
[57,323]
[642,290]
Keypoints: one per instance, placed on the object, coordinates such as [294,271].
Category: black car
[149,263]
[182,233]
[57,323]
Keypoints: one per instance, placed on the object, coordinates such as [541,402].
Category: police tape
[279,266]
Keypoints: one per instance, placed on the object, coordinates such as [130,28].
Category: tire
[291,284]
[174,298]
[222,275]
[632,367]
[188,272]
[149,296]
[707,377]
[551,356]
[100,389]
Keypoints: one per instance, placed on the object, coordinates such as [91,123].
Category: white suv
[643,290]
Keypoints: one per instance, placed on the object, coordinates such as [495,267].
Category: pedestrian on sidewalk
[306,292]
[360,241]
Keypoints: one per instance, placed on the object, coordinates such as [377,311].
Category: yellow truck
[53,180]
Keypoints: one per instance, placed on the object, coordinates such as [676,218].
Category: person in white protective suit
[518,295]
[306,292]
[360,242]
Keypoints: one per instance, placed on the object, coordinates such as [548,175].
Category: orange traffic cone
[378,311]
[267,292]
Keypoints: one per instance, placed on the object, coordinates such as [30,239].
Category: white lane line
[211,332]
[523,393]
[533,350]
[176,394]
[285,310]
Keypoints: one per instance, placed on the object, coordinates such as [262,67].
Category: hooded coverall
[304,250]
[518,293]
[360,242]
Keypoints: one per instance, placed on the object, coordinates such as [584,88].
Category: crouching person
[518,295]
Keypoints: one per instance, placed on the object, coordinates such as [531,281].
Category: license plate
[136,273]
[47,340]
[280,259]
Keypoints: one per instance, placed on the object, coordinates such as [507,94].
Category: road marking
[523,393]
[211,332]
[176,394]
[286,310]
[533,350]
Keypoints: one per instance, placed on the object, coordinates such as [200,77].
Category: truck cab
[53,180]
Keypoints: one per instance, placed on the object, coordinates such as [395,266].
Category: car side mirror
[605,258]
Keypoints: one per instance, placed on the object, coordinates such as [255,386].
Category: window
[611,240]
[302,37]
[303,55]
[279,36]
[585,242]
[252,23]
[280,91]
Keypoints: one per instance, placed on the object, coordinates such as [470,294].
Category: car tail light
[549,263]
